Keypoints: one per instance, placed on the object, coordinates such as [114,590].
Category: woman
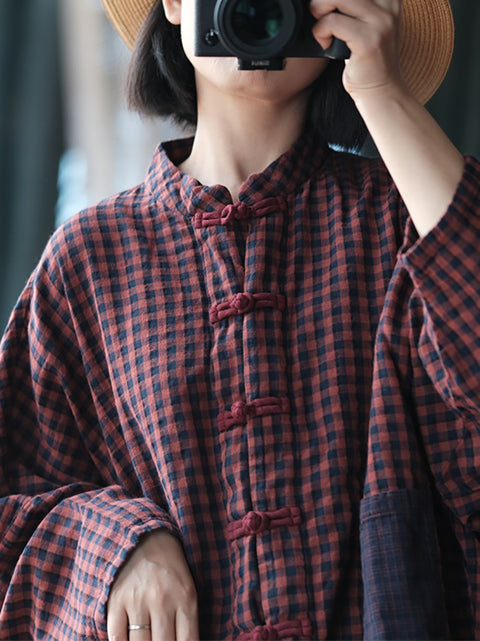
[240,400]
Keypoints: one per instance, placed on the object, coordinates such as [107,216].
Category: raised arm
[422,161]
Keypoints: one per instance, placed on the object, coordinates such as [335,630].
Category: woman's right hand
[154,588]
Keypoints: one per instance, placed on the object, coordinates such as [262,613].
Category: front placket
[244,252]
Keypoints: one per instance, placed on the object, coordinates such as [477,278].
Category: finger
[139,625]
[186,623]
[351,30]
[139,632]
[360,9]
[393,6]
[117,622]
[163,626]
[370,34]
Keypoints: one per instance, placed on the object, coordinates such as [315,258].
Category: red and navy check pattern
[289,384]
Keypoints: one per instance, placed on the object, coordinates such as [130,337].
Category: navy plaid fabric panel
[181,361]
[404,592]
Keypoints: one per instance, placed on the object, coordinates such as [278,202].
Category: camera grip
[338,50]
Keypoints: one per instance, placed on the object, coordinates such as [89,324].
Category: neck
[236,138]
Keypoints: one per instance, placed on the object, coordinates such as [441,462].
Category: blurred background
[67,139]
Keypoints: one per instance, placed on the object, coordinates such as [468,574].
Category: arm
[424,164]
[442,194]
[71,509]
[422,161]
[439,188]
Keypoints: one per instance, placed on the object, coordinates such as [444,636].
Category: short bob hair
[161,82]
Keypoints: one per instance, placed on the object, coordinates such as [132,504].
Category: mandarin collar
[179,191]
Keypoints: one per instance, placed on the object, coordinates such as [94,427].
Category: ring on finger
[133,627]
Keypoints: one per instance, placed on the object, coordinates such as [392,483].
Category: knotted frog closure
[238,211]
[244,302]
[298,629]
[240,412]
[257,522]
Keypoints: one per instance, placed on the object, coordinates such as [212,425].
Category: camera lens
[256,29]
[256,22]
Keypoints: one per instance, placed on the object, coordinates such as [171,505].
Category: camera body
[259,33]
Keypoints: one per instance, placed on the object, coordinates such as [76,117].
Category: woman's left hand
[370,29]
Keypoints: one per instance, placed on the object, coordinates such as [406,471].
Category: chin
[223,74]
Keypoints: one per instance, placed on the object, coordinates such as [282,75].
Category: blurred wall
[66,137]
[31,137]
[108,147]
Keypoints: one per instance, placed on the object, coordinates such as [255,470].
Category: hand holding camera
[372,29]
[260,33]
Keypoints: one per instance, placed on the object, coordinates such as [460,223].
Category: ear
[173,10]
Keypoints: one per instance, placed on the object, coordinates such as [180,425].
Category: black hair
[161,82]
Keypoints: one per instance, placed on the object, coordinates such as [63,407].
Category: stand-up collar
[283,176]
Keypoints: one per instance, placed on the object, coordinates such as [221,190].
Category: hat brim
[426,45]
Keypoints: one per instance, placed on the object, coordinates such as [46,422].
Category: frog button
[265,633]
[255,523]
[243,302]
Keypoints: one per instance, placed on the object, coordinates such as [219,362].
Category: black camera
[260,33]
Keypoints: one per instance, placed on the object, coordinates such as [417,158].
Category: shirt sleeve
[445,271]
[71,507]
[419,561]
[444,317]
[427,358]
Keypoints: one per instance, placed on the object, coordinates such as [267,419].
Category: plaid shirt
[289,384]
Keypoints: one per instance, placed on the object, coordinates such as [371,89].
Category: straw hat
[426,44]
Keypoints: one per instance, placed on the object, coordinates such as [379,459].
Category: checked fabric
[289,384]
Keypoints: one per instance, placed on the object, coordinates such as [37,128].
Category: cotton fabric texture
[289,384]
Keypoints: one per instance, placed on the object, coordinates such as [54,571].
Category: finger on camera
[360,9]
[348,29]
[361,36]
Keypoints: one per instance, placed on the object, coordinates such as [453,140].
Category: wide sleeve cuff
[454,238]
[112,527]
[444,267]
[64,549]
